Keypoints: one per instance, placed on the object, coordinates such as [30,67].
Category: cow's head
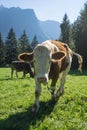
[42,57]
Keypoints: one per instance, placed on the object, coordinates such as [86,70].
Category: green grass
[17,97]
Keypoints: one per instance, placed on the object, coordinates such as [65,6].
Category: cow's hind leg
[36,102]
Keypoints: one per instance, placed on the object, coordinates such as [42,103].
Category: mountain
[25,19]
[51,29]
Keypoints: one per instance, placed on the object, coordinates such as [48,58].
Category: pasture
[17,97]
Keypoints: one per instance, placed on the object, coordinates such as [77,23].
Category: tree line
[75,35]
[12,46]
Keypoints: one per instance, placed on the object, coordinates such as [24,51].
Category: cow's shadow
[24,120]
[14,79]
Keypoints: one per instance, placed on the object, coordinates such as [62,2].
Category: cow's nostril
[42,79]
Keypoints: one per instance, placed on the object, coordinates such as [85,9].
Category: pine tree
[76,33]
[2,52]
[23,43]
[65,30]
[11,47]
[34,42]
[80,34]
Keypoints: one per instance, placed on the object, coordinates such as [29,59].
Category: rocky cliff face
[25,19]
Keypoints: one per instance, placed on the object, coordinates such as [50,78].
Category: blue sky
[49,9]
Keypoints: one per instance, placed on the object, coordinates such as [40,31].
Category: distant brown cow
[19,66]
[52,60]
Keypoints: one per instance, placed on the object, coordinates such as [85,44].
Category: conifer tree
[80,34]
[34,42]
[2,52]
[23,43]
[65,29]
[11,47]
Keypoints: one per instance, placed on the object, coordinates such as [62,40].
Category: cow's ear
[58,55]
[25,57]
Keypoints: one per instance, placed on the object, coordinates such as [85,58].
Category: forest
[74,34]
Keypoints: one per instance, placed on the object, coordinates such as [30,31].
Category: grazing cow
[52,60]
[19,66]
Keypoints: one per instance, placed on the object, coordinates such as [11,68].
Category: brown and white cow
[19,66]
[52,60]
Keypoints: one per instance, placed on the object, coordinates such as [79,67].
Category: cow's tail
[80,60]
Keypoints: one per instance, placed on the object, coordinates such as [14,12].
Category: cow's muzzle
[42,80]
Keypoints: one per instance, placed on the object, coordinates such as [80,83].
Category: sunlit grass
[17,97]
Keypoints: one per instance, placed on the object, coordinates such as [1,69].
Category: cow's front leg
[62,82]
[24,74]
[12,71]
[53,87]
[37,95]
[61,88]
[16,74]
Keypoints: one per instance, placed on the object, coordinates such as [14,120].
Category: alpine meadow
[20,34]
[17,96]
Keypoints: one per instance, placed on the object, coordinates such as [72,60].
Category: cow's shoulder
[52,47]
[59,44]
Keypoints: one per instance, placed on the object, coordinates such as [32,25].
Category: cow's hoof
[55,97]
[35,108]
[51,91]
[59,94]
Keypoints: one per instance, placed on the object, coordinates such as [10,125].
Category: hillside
[25,19]
[51,29]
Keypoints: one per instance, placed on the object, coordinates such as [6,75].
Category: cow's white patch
[42,61]
[51,46]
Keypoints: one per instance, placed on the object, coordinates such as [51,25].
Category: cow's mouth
[42,80]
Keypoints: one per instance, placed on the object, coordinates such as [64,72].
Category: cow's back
[60,45]
[20,66]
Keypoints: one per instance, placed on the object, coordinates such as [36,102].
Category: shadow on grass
[78,73]
[5,79]
[26,119]
[9,78]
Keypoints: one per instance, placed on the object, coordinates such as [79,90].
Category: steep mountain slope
[25,19]
[51,29]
